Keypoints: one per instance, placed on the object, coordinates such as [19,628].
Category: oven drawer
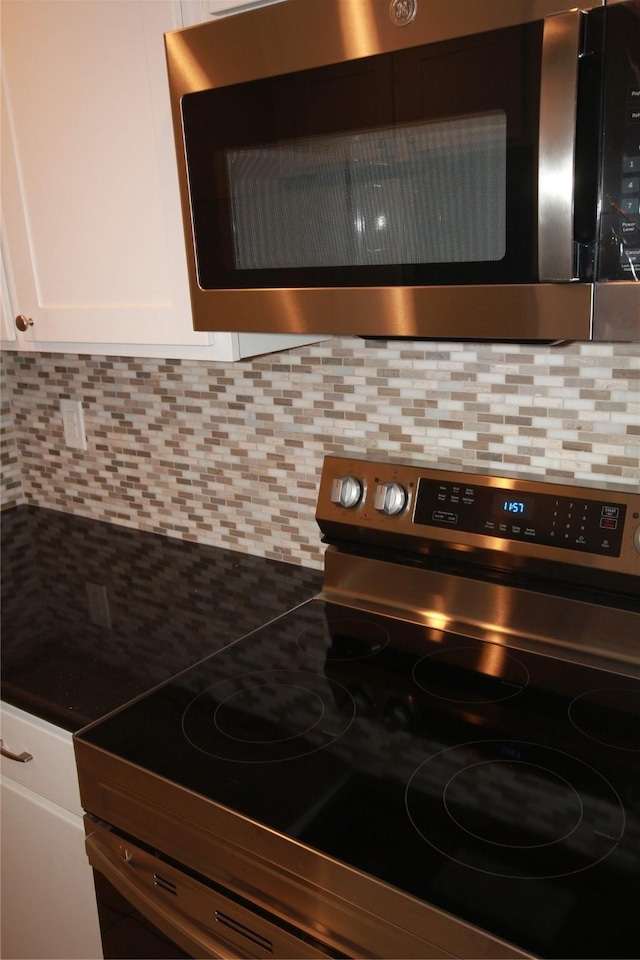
[197,916]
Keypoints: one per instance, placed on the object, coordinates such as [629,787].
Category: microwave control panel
[620,212]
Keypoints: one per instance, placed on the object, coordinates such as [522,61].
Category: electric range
[439,755]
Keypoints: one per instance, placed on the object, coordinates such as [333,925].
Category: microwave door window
[432,193]
[408,168]
[461,190]
[289,206]
[420,193]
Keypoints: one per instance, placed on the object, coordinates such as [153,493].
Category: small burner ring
[483,673]
[451,802]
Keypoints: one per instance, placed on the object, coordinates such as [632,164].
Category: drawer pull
[23,757]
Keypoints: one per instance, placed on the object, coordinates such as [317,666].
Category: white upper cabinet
[197,11]
[7,328]
[92,229]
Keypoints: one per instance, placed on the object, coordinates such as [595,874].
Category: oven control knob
[346,492]
[390,498]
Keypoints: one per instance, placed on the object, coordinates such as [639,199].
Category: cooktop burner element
[268,716]
[596,713]
[437,756]
[471,674]
[558,816]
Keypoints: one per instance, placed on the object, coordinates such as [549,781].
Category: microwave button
[629,206]
[633,115]
[630,185]
[631,165]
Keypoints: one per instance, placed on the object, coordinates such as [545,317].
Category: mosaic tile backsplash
[231,454]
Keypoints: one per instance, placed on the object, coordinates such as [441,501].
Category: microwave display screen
[432,192]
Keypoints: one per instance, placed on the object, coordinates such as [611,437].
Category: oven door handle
[117,862]
[173,901]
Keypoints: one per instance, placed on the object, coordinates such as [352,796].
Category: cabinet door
[48,898]
[7,329]
[100,254]
[92,228]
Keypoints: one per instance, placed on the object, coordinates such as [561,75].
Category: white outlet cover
[73,424]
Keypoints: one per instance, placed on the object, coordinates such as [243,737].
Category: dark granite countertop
[94,614]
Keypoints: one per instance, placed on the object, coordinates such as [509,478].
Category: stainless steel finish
[346,491]
[199,919]
[578,631]
[258,44]
[543,311]
[573,629]
[23,323]
[617,311]
[348,911]
[327,31]
[390,498]
[558,103]
[23,757]
[400,531]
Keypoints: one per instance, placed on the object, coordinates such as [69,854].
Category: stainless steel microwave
[445,169]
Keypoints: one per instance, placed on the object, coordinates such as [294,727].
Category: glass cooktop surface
[494,783]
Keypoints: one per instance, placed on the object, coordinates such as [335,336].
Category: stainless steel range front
[438,756]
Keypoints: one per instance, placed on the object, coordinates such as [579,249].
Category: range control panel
[413,508]
[572,522]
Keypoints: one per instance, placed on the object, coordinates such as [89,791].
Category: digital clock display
[512,506]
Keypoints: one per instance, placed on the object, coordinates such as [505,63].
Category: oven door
[400,161]
[151,907]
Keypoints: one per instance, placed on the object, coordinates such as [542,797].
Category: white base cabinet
[92,237]
[49,907]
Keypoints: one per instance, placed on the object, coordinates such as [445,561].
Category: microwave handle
[561,46]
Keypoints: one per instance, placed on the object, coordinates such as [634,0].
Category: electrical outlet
[99,612]
[73,423]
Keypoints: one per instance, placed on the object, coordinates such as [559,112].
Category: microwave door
[405,169]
